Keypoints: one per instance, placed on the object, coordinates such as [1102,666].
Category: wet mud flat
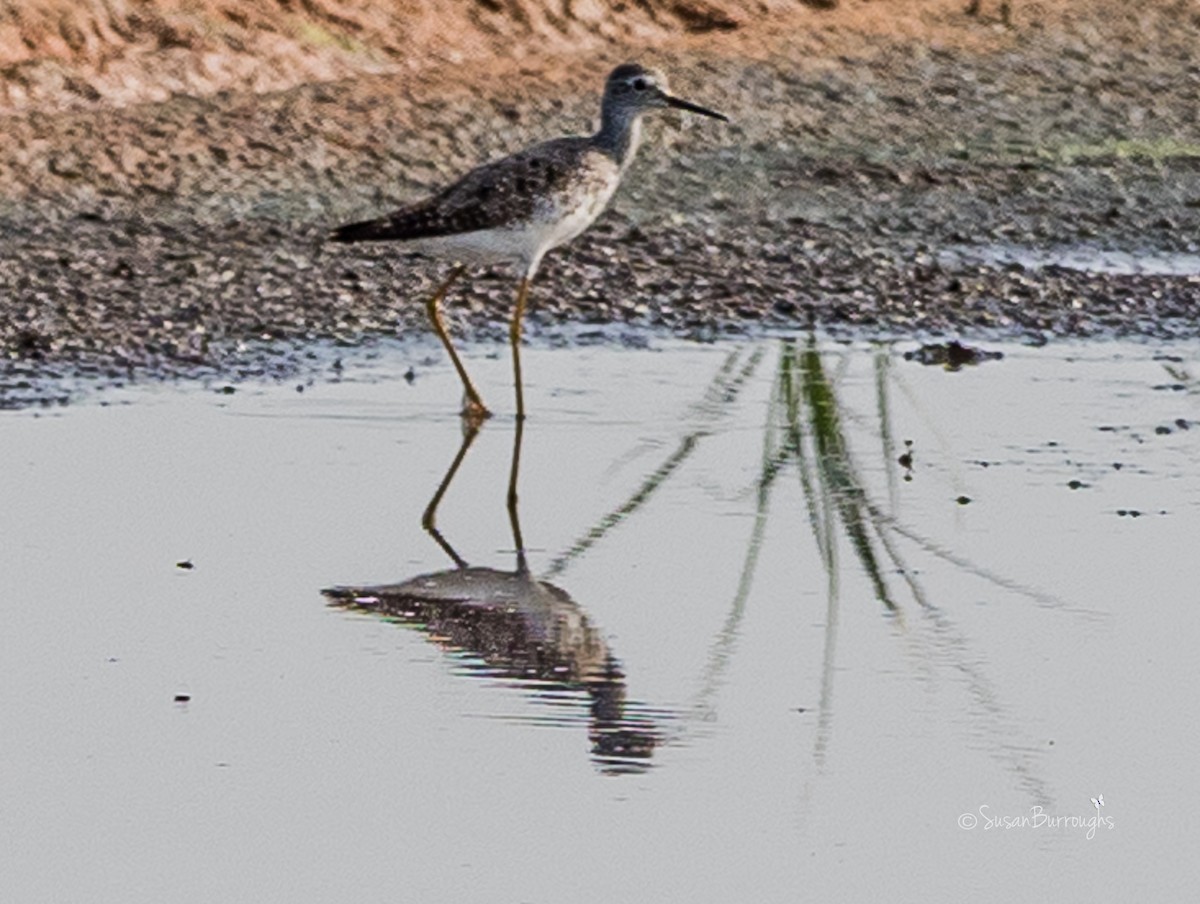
[864,187]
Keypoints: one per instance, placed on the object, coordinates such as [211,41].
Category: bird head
[638,88]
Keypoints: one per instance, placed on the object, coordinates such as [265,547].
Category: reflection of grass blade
[713,394]
[828,658]
[885,520]
[727,384]
[628,507]
[835,468]
[722,391]
[883,362]
[721,651]
[773,459]
[820,519]
[901,566]
[819,511]
[883,366]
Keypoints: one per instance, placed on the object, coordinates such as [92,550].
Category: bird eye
[639,84]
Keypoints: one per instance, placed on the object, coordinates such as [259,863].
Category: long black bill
[679,104]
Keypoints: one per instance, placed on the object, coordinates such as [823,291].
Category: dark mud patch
[951,355]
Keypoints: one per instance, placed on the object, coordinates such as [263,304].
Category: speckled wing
[506,191]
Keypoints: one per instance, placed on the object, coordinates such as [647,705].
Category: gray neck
[619,135]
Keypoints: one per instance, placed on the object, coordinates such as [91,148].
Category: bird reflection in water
[519,629]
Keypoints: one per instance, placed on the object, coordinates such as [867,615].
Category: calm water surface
[794,621]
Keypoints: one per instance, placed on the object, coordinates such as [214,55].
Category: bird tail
[366,231]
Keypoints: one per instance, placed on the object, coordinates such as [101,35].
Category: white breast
[571,221]
[563,217]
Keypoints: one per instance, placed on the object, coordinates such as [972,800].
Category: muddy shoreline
[872,184]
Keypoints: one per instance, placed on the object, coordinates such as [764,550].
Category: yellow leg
[514,335]
[473,408]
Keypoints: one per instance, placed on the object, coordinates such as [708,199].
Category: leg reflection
[429,518]
[514,519]
[513,627]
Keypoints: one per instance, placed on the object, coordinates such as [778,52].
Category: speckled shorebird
[515,209]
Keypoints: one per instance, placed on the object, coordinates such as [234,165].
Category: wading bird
[515,209]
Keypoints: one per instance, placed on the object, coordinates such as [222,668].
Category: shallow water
[770,656]
[1085,258]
